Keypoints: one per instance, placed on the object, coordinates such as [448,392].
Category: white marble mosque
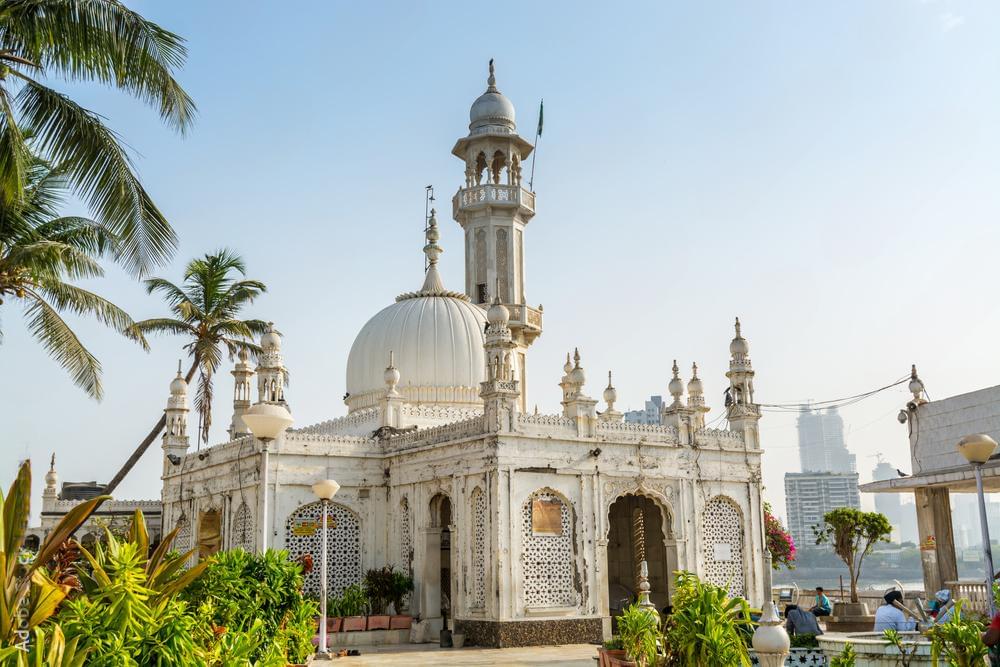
[518,523]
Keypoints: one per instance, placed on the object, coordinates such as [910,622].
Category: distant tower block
[493,209]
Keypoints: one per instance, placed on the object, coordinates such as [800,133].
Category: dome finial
[432,280]
[491,82]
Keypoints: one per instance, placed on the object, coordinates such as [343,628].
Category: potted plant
[353,605]
[402,585]
[639,628]
[378,589]
[611,649]
[334,617]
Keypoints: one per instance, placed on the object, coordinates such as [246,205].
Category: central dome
[437,344]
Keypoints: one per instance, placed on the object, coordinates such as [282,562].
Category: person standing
[822,606]
[798,622]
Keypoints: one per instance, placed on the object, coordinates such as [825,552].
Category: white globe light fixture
[266,421]
[977,450]
[324,490]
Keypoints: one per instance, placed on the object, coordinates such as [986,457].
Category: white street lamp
[266,421]
[324,490]
[977,450]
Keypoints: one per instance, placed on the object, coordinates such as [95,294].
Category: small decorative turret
[565,383]
[242,373]
[175,437]
[676,387]
[392,402]
[741,411]
[500,391]
[51,478]
[610,396]
[696,399]
[676,414]
[578,405]
[271,372]
[916,386]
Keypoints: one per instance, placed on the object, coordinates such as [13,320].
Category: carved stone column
[770,641]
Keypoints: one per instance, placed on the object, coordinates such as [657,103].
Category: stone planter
[378,622]
[871,649]
[605,656]
[400,622]
[354,623]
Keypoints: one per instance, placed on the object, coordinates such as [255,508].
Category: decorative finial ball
[610,395]
[178,385]
[916,386]
[568,366]
[498,313]
[271,340]
[391,376]
[243,355]
[676,386]
[51,478]
[577,375]
[739,346]
[694,386]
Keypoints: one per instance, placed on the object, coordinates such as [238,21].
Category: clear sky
[826,171]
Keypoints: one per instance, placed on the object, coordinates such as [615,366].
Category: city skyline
[339,187]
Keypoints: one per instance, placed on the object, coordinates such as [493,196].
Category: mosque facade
[523,528]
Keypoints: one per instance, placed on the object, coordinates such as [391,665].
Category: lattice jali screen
[722,536]
[182,542]
[242,536]
[547,561]
[405,537]
[304,529]
[478,549]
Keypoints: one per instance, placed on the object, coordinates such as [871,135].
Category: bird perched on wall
[901,473]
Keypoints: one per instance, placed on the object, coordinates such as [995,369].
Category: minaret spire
[491,82]
[432,279]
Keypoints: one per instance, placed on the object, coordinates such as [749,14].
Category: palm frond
[83,302]
[14,154]
[63,345]
[160,325]
[101,173]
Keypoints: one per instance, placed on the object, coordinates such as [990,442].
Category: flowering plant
[779,542]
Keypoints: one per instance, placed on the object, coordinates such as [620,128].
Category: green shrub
[707,627]
[378,588]
[804,640]
[846,658]
[402,585]
[958,640]
[353,601]
[638,631]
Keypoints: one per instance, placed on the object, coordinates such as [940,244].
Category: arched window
[548,565]
[243,535]
[722,551]
[182,541]
[405,537]
[304,530]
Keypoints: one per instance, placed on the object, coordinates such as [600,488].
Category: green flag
[541,116]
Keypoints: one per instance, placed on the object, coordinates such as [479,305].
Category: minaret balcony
[481,196]
[524,317]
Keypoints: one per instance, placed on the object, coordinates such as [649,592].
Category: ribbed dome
[437,341]
[491,108]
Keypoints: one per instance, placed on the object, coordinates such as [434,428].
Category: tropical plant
[614,644]
[402,585]
[354,602]
[48,648]
[779,541]
[205,309]
[83,41]
[639,630]
[853,534]
[41,252]
[958,640]
[238,589]
[803,640]
[906,650]
[846,658]
[27,584]
[378,588]
[707,626]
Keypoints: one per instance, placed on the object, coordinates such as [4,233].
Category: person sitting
[798,622]
[937,609]
[822,606]
[890,617]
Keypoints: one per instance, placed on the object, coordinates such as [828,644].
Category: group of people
[889,616]
[799,622]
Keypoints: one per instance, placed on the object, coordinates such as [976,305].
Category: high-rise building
[649,415]
[902,517]
[810,495]
[821,442]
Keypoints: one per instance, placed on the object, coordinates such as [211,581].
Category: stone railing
[722,436]
[492,195]
[972,590]
[436,434]
[334,426]
[653,432]
[525,315]
[446,413]
[554,421]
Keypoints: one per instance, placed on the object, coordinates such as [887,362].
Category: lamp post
[266,421]
[977,450]
[324,490]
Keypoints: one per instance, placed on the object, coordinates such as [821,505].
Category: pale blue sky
[827,171]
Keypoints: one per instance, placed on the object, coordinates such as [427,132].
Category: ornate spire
[676,386]
[432,280]
[916,385]
[391,375]
[610,396]
[491,82]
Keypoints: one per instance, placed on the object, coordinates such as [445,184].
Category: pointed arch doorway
[436,578]
[623,564]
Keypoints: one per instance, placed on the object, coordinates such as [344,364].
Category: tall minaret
[741,411]
[493,209]
[271,368]
[175,437]
[241,395]
[51,493]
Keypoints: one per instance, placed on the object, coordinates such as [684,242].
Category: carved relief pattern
[519,253]
[243,537]
[182,542]
[405,537]
[722,528]
[303,535]
[547,561]
[333,426]
[502,264]
[431,436]
[444,413]
[657,489]
[479,549]
[481,257]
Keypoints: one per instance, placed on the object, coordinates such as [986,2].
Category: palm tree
[39,252]
[88,40]
[205,310]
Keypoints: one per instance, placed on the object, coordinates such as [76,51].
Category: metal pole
[984,527]
[322,588]
[263,491]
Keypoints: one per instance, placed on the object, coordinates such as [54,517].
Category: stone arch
[242,531]
[436,575]
[549,576]
[723,548]
[182,540]
[660,498]
[498,163]
[625,550]
[480,165]
[303,540]
[209,532]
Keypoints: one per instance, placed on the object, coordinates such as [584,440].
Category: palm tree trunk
[147,441]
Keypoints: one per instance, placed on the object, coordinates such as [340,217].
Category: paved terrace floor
[422,655]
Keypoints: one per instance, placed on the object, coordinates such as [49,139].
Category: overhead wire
[830,403]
